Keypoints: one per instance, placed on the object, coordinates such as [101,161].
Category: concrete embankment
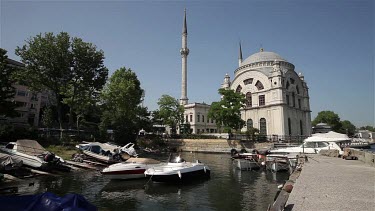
[214,145]
[329,183]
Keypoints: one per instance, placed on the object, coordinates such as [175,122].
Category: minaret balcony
[184,51]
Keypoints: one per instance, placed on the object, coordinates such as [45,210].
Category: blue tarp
[46,201]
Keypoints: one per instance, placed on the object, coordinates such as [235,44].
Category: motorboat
[246,164]
[317,142]
[244,154]
[31,153]
[276,163]
[177,170]
[132,168]
[107,152]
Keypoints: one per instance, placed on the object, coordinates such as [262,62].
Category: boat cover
[6,160]
[30,147]
[46,201]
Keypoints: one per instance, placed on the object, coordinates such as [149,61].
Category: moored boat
[132,168]
[31,153]
[276,163]
[246,164]
[177,170]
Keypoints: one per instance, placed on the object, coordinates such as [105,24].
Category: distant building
[196,115]
[29,104]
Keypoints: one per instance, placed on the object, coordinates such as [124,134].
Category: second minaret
[184,53]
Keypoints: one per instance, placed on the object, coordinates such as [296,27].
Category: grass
[65,152]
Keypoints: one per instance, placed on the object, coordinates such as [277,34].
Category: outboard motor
[233,152]
[49,157]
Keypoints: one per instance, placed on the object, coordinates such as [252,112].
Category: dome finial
[261,49]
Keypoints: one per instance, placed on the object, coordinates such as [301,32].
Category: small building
[196,115]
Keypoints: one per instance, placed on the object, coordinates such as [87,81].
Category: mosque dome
[262,56]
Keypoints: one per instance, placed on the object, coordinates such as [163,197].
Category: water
[228,189]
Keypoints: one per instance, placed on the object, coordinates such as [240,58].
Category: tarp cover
[6,160]
[30,147]
[46,201]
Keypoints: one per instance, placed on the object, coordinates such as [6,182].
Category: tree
[227,112]
[348,128]
[170,111]
[329,117]
[48,61]
[121,98]
[7,91]
[368,127]
[88,77]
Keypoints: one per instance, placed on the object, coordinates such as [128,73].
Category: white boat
[131,169]
[31,153]
[106,152]
[246,164]
[317,142]
[276,163]
[177,170]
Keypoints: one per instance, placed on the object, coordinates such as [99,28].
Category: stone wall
[214,145]
[365,156]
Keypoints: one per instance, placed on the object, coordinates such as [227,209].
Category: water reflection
[228,189]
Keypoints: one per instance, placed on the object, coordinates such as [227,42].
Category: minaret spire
[240,56]
[184,53]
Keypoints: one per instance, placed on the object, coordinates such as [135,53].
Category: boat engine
[49,157]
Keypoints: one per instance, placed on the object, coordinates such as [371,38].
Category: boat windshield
[176,159]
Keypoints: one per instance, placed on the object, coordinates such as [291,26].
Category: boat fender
[49,157]
[179,174]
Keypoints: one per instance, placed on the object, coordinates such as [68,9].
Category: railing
[268,138]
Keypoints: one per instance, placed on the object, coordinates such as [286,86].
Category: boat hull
[125,174]
[244,164]
[185,177]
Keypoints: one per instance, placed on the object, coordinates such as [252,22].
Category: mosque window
[297,88]
[262,100]
[294,99]
[259,85]
[287,99]
[292,81]
[289,126]
[301,127]
[299,103]
[248,81]
[262,126]
[287,85]
[248,99]
[249,123]
[239,88]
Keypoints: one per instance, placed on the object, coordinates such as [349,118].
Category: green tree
[368,127]
[88,77]
[121,98]
[329,117]
[48,61]
[170,111]
[7,91]
[251,132]
[348,128]
[227,112]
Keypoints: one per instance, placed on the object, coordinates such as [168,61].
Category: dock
[329,183]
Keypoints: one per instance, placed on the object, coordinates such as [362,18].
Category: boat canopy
[328,137]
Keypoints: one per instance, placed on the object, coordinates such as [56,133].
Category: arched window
[248,81]
[297,88]
[248,99]
[287,85]
[289,126]
[294,99]
[239,88]
[301,127]
[249,123]
[259,85]
[262,126]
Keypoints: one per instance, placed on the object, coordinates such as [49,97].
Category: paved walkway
[328,183]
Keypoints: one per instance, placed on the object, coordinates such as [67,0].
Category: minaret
[240,57]
[184,53]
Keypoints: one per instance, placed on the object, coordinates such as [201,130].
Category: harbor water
[228,188]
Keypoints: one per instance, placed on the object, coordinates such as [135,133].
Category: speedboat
[276,163]
[177,170]
[31,153]
[130,169]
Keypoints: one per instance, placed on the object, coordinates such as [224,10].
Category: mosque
[277,98]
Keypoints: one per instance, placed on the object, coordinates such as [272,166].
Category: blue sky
[330,42]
